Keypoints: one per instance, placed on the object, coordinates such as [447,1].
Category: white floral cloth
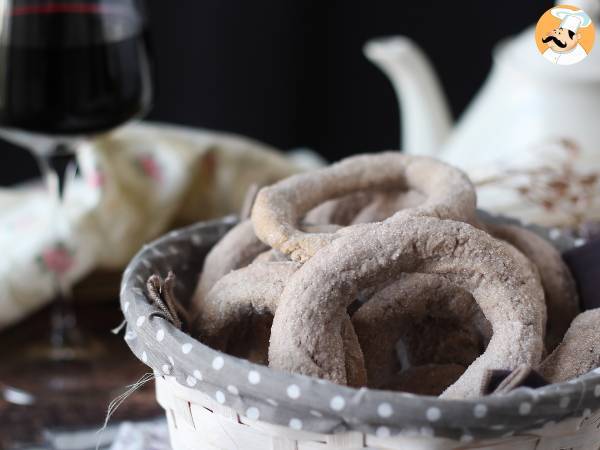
[135,183]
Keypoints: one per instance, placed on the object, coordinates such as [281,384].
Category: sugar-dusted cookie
[437,322]
[559,287]
[236,249]
[256,290]
[578,353]
[306,334]
[340,211]
[386,204]
[279,208]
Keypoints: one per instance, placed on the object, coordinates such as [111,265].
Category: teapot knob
[592,7]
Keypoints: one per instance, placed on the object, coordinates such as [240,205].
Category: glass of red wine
[69,70]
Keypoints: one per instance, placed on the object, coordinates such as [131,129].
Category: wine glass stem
[58,169]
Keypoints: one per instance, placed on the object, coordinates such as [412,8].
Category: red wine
[72,71]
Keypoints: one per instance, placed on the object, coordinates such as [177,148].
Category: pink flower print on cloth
[57,259]
[149,166]
[96,179]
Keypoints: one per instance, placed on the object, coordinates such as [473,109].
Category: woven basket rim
[496,407]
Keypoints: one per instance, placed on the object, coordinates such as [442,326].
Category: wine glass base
[51,396]
[43,390]
[41,380]
[45,352]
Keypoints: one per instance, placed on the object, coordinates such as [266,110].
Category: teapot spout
[426,118]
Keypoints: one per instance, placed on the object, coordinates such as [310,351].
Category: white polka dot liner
[305,404]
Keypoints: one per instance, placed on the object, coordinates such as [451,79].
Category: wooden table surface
[101,379]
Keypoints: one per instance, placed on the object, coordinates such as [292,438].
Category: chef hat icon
[570,19]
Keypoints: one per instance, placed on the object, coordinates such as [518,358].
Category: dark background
[291,72]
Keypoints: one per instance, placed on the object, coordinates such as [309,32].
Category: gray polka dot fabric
[308,403]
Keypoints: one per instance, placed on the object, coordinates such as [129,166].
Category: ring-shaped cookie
[387,204]
[562,301]
[279,208]
[502,282]
[579,351]
[382,321]
[237,248]
[342,210]
[256,289]
[559,286]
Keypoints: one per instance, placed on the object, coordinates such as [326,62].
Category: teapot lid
[522,53]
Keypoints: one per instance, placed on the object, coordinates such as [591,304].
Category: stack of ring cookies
[376,271]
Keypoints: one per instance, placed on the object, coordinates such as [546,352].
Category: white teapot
[531,138]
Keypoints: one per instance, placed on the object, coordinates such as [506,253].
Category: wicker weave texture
[198,422]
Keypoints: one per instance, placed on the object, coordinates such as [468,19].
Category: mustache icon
[555,40]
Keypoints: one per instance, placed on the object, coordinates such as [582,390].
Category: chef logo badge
[565,35]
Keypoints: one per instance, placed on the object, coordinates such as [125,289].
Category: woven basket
[216,401]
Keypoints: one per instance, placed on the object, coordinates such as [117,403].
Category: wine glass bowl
[69,70]
[73,68]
